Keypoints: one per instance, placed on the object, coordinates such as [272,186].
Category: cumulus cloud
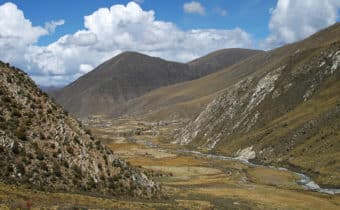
[52,25]
[106,33]
[194,7]
[16,33]
[293,20]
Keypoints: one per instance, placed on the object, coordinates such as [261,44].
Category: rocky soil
[43,147]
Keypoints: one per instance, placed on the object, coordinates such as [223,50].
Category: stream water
[305,181]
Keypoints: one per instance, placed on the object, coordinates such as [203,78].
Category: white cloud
[52,25]
[293,20]
[194,7]
[106,33]
[85,68]
[220,11]
[16,33]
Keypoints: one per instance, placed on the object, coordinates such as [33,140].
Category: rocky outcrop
[42,147]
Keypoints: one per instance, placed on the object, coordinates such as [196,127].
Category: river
[305,181]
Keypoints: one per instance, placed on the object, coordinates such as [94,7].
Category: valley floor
[190,181]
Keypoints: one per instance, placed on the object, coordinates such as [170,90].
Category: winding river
[305,181]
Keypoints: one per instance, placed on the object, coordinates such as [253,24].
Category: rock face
[42,147]
[266,111]
[106,89]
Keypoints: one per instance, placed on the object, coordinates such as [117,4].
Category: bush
[9,80]
[16,148]
[16,113]
[21,134]
[70,150]
[100,166]
[76,139]
[65,163]
[42,136]
[77,170]
[6,99]
[21,168]
[88,131]
[40,155]
[43,166]
[57,170]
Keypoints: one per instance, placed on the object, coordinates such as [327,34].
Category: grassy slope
[301,135]
[185,100]
[319,151]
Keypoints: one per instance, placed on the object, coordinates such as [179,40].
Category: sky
[57,41]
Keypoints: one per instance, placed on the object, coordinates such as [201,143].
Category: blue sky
[57,41]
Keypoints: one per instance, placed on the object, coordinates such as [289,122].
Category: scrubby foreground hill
[106,89]
[42,147]
[287,112]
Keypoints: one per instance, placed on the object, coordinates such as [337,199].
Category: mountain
[187,99]
[285,112]
[130,75]
[220,59]
[42,147]
[50,89]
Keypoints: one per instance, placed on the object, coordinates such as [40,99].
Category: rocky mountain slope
[42,147]
[287,112]
[130,75]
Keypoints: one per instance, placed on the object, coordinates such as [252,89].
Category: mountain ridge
[130,75]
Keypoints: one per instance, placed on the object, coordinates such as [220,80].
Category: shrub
[57,170]
[9,80]
[16,113]
[49,111]
[88,131]
[77,170]
[42,136]
[40,155]
[21,168]
[16,148]
[43,166]
[76,139]
[21,134]
[70,150]
[100,166]
[65,163]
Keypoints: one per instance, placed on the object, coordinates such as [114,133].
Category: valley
[234,129]
[189,180]
[215,182]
